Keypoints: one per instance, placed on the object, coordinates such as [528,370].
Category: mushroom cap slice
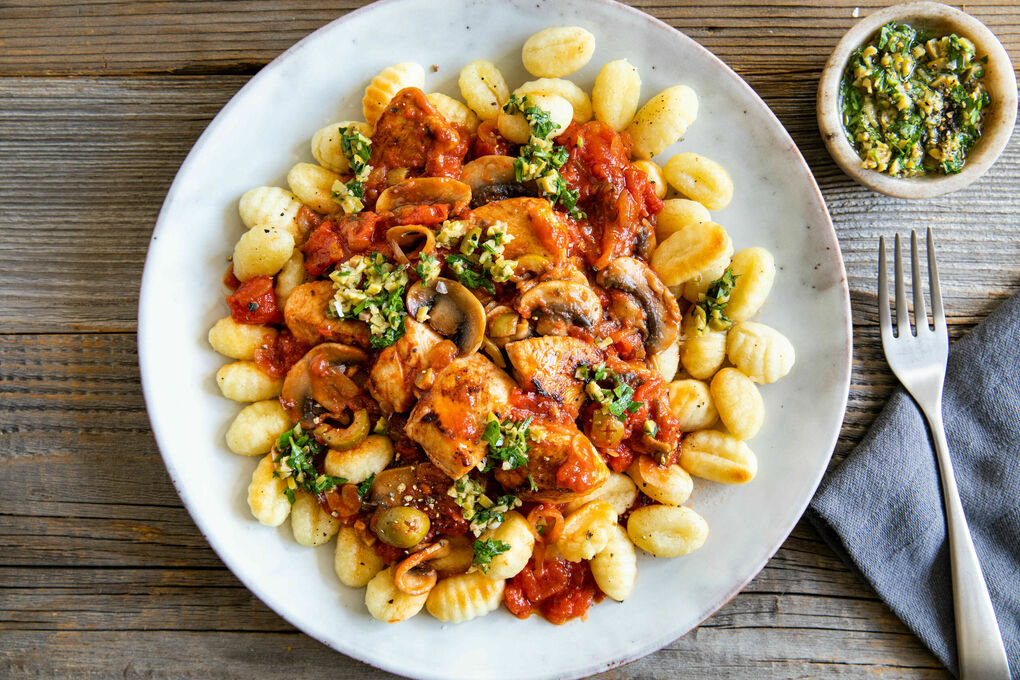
[425,191]
[494,178]
[320,377]
[572,302]
[661,324]
[453,312]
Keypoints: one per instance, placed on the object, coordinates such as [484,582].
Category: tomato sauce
[557,589]
[615,196]
[531,404]
[426,215]
[277,358]
[229,280]
[488,141]
[254,302]
[411,134]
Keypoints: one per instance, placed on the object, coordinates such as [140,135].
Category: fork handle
[980,652]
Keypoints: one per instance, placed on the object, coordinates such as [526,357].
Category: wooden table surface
[103,573]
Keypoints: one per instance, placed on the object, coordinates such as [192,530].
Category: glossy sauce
[254,302]
[557,589]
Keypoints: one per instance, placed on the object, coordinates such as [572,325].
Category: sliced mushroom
[410,241]
[321,381]
[661,323]
[558,304]
[425,191]
[452,311]
[494,178]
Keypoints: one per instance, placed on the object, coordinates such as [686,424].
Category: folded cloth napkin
[881,509]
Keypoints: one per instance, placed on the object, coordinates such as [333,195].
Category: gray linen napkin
[881,509]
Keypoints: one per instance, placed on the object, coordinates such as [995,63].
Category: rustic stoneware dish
[1000,115]
[266,128]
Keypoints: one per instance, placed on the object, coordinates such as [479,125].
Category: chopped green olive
[401,526]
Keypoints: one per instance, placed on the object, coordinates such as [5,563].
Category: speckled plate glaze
[266,128]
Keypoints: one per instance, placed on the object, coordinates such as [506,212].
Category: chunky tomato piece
[308,220]
[558,589]
[323,249]
[277,358]
[254,302]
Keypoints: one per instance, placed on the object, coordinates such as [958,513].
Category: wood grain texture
[103,573]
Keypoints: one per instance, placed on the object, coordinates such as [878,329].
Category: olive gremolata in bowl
[998,116]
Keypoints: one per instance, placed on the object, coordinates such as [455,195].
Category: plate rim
[148,284]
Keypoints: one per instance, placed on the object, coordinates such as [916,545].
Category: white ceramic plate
[266,128]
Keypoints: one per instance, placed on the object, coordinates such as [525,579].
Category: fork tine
[920,316]
[884,323]
[935,289]
[902,316]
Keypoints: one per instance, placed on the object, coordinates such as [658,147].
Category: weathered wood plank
[123,139]
[55,37]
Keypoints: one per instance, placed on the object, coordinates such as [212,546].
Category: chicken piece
[449,419]
[563,463]
[534,227]
[305,315]
[546,365]
[392,379]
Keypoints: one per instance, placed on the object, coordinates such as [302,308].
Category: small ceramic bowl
[999,117]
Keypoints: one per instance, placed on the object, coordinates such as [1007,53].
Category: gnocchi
[586,531]
[618,490]
[309,522]
[483,88]
[327,148]
[239,340]
[703,350]
[245,381]
[271,207]
[464,597]
[699,178]
[266,497]
[357,464]
[686,253]
[514,532]
[760,352]
[313,185]
[558,52]
[257,427]
[387,603]
[670,485]
[354,561]
[579,100]
[291,275]
[616,94]
[516,128]
[739,402]
[755,271]
[262,251]
[615,566]
[667,531]
[663,121]
[454,111]
[654,174]
[692,405]
[677,214]
[718,457]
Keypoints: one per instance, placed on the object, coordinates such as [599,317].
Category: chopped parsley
[371,289]
[480,510]
[428,269]
[508,442]
[912,104]
[617,400]
[485,550]
[295,453]
[357,149]
[711,307]
[540,159]
[480,260]
[365,486]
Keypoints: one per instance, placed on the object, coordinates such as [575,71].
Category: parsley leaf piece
[365,486]
[486,549]
[710,310]
[467,275]
[295,453]
[618,400]
[508,442]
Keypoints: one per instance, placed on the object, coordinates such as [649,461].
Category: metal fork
[919,361]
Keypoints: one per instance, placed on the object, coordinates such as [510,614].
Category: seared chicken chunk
[449,419]
[533,226]
[392,379]
[305,314]
[561,461]
[547,364]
